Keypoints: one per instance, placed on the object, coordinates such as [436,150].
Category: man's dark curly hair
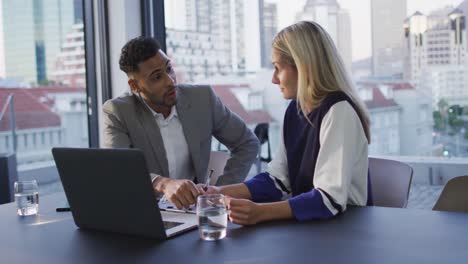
[136,51]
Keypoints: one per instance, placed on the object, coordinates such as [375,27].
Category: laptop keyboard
[169,224]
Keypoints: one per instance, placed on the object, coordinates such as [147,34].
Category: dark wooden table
[361,235]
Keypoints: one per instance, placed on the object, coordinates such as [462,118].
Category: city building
[362,69]
[401,118]
[387,18]
[37,127]
[45,117]
[70,69]
[31,35]
[385,121]
[448,82]
[335,20]
[414,50]
[244,102]
[463,7]
[268,30]
[416,122]
[436,54]
[223,23]
[197,55]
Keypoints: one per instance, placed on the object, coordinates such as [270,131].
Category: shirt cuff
[309,206]
[263,189]
[154,177]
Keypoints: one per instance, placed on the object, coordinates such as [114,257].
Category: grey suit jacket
[128,123]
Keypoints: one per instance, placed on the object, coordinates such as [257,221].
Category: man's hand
[182,193]
[210,189]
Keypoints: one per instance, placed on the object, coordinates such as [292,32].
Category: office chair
[390,182]
[454,196]
[261,131]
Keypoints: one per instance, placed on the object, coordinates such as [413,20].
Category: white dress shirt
[175,144]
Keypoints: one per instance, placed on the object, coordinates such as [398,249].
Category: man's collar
[159,115]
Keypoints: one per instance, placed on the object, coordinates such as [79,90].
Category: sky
[360,18]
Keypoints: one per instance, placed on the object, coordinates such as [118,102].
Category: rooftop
[228,98]
[32,107]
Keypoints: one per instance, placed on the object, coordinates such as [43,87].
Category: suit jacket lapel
[153,135]
[190,128]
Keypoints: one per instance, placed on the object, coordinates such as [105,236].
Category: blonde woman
[321,165]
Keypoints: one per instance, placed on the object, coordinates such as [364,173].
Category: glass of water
[27,197]
[212,216]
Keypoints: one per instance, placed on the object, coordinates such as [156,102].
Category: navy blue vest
[301,140]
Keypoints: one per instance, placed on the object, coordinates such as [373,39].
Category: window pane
[42,65]
[407,60]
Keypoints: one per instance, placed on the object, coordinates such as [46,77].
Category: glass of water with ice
[212,216]
[27,197]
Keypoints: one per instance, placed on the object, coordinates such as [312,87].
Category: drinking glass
[212,216]
[27,197]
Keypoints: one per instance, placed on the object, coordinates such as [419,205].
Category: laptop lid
[111,190]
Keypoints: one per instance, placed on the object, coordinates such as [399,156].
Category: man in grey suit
[173,125]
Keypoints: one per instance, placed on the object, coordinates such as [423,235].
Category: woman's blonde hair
[308,47]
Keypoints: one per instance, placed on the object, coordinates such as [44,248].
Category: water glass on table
[212,216]
[27,197]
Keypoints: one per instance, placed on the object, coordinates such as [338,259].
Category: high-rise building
[268,30]
[231,26]
[414,48]
[197,56]
[343,38]
[436,54]
[70,67]
[463,7]
[336,21]
[224,18]
[387,18]
[31,37]
[175,14]
[250,42]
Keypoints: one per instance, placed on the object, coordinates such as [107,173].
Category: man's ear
[133,85]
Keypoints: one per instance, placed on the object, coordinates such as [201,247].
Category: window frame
[91,78]
[153,21]
[92,48]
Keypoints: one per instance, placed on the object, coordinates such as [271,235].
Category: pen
[188,211]
[208,180]
[62,209]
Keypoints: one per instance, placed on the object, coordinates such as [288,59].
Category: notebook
[110,190]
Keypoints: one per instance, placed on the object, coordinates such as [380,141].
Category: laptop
[110,190]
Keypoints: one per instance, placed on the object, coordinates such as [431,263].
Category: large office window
[408,61]
[42,84]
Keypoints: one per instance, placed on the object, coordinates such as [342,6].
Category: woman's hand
[244,212]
